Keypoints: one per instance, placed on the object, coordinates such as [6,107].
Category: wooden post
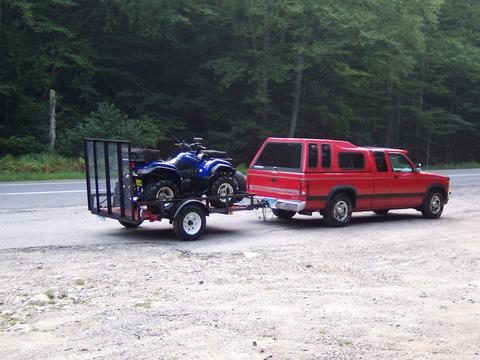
[53,125]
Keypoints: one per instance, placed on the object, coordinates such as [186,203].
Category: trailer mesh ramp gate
[109,181]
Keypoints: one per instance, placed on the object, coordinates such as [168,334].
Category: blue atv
[193,171]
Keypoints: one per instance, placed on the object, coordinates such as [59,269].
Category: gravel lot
[401,287]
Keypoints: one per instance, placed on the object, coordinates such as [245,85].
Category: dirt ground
[401,287]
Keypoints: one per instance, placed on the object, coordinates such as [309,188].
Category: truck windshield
[283,156]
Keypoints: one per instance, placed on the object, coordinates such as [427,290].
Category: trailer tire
[190,222]
[130,225]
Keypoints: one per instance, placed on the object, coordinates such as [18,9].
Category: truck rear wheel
[432,207]
[338,212]
[189,224]
[283,214]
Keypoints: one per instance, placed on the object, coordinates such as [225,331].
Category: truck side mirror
[418,167]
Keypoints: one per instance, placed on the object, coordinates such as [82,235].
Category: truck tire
[224,185]
[283,214]
[189,224]
[338,212]
[381,212]
[161,190]
[432,206]
[130,225]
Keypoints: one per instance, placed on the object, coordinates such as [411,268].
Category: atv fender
[161,171]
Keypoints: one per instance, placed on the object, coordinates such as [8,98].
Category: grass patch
[242,168]
[462,165]
[9,176]
[40,167]
[79,282]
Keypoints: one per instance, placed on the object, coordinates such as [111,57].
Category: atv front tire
[223,186]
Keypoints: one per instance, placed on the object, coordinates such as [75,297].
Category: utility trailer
[110,193]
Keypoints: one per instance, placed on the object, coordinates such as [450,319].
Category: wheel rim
[225,189]
[165,193]
[192,223]
[435,204]
[340,211]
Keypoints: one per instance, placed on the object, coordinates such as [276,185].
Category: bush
[109,122]
[21,144]
[40,163]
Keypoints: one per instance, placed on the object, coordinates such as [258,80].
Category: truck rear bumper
[290,205]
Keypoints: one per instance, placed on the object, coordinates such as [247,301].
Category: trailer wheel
[189,224]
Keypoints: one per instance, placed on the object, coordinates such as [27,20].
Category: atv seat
[138,154]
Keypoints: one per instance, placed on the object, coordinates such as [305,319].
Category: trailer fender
[198,203]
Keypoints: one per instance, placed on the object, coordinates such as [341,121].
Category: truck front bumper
[289,205]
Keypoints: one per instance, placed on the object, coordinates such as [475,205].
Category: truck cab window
[312,155]
[400,163]
[351,161]
[381,162]
[326,155]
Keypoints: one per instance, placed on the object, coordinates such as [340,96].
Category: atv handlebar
[195,146]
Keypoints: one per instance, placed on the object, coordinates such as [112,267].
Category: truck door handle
[273,179]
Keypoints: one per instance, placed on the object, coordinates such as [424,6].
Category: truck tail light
[303,187]
[247,181]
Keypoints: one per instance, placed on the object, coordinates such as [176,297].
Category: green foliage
[21,144]
[401,73]
[40,163]
[108,122]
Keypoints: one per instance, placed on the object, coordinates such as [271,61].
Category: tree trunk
[390,119]
[297,89]
[264,83]
[53,125]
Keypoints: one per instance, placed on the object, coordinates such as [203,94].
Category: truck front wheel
[338,212]
[432,206]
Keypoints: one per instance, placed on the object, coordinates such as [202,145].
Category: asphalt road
[62,193]
[53,213]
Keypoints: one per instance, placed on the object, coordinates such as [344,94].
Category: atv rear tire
[161,190]
[223,186]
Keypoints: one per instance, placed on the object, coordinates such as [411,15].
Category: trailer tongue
[111,194]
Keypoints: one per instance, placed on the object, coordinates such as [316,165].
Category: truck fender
[348,189]
[435,186]
[182,205]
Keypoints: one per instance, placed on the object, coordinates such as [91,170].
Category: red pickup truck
[336,177]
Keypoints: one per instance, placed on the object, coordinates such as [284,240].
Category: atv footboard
[108,176]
